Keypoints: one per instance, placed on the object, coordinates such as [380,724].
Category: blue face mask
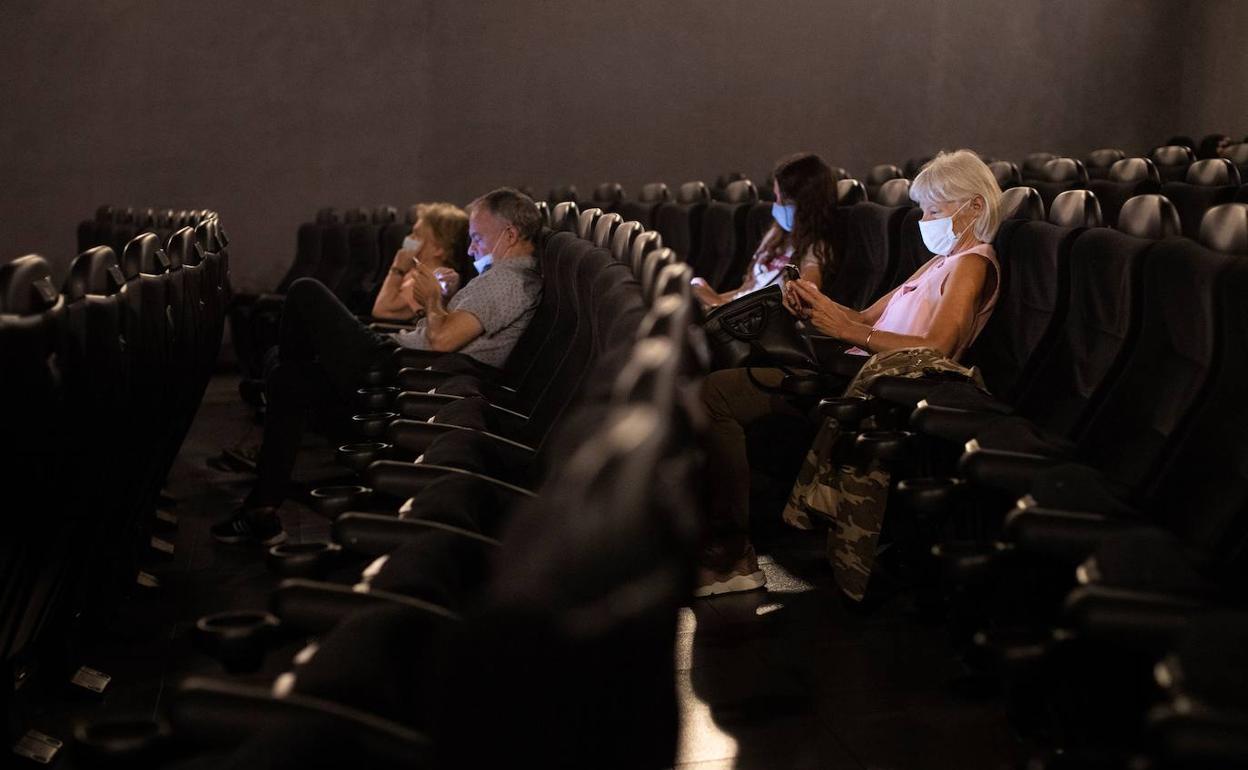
[784,215]
[483,263]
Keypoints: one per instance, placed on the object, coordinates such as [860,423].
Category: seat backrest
[358,281]
[538,349]
[724,252]
[680,221]
[1150,216]
[1033,165]
[839,173]
[607,194]
[1193,201]
[384,215]
[563,193]
[1225,228]
[883,172]
[757,222]
[849,192]
[1098,162]
[1172,161]
[622,240]
[1102,319]
[26,287]
[1127,178]
[911,252]
[915,165]
[356,215]
[604,229]
[543,210]
[894,193]
[1076,208]
[1167,367]
[653,265]
[1006,174]
[335,256]
[1238,154]
[1213,172]
[869,257]
[1064,170]
[1031,304]
[654,192]
[1134,170]
[1021,203]
[642,209]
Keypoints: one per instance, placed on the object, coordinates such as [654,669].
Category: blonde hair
[448,224]
[955,177]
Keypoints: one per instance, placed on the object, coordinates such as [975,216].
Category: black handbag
[756,330]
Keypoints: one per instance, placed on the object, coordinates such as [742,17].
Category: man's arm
[445,330]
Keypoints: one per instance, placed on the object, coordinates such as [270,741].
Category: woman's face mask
[938,234]
[784,214]
[412,243]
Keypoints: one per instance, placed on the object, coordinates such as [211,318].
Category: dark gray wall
[267,111]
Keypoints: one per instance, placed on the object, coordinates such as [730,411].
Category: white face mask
[412,243]
[938,234]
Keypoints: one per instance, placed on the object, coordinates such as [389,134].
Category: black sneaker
[259,524]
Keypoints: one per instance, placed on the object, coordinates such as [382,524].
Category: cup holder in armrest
[375,398]
[376,377]
[372,424]
[120,741]
[968,563]
[848,411]
[359,455]
[237,639]
[332,502]
[884,445]
[931,496]
[303,559]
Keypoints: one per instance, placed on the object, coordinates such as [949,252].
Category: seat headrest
[1076,208]
[652,266]
[143,254]
[26,286]
[723,180]
[741,191]
[604,229]
[1022,203]
[384,215]
[673,282]
[692,192]
[146,218]
[894,193]
[849,192]
[1006,173]
[654,193]
[1237,154]
[1134,170]
[183,250]
[587,222]
[609,192]
[1104,158]
[915,165]
[94,271]
[543,210]
[839,173]
[1065,170]
[883,172]
[1225,228]
[325,216]
[104,213]
[1149,216]
[1172,155]
[355,216]
[565,193]
[413,213]
[1213,172]
[623,238]
[565,216]
[1034,163]
[646,242]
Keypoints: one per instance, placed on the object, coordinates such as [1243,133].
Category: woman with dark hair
[800,233]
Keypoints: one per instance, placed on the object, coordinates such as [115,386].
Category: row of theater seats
[102,376]
[515,557]
[1116,362]
[117,226]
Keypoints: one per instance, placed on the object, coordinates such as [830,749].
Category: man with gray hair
[485,318]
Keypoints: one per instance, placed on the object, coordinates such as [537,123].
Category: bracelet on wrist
[867,344]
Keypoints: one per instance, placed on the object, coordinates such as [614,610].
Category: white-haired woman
[924,324]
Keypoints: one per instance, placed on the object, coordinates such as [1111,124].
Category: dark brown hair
[807,181]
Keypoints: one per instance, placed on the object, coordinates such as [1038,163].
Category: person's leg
[733,401]
[316,326]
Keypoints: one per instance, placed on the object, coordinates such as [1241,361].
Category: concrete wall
[268,111]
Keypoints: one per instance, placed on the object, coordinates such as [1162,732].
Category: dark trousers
[323,353]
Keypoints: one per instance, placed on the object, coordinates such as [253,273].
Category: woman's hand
[792,303]
[705,294]
[825,315]
[425,288]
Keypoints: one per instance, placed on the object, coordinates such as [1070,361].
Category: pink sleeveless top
[913,306]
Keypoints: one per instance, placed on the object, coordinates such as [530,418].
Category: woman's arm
[955,315]
[393,303]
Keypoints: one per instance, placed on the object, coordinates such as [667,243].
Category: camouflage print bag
[854,498]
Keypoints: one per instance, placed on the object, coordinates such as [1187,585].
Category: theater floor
[789,678]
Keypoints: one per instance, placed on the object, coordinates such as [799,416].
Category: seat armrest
[314,607]
[418,405]
[1141,620]
[907,391]
[1191,733]
[1010,471]
[224,713]
[949,423]
[416,436]
[371,534]
[1067,536]
[405,480]
[421,380]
